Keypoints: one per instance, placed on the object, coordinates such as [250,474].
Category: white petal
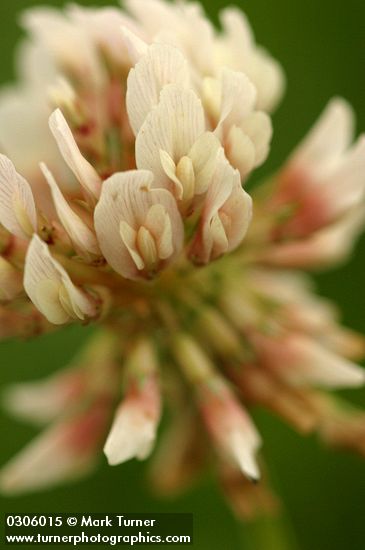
[300,360]
[348,180]
[240,150]
[104,25]
[83,170]
[137,48]
[325,368]
[204,157]
[265,73]
[258,127]
[238,98]
[227,208]
[244,450]
[51,289]
[151,14]
[132,435]
[79,233]
[161,65]
[173,126]
[17,209]
[237,27]
[127,197]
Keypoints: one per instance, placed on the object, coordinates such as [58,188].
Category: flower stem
[274,533]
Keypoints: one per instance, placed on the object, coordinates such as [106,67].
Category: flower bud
[135,424]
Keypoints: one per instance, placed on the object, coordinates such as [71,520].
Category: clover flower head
[124,204]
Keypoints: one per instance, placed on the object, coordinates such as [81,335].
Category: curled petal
[238,97]
[17,209]
[162,65]
[173,126]
[80,234]
[226,215]
[50,288]
[83,170]
[139,228]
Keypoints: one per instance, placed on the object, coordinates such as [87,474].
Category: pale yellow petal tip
[136,47]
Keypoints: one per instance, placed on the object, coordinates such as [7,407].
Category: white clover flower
[125,207]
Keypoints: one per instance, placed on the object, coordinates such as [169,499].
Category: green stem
[269,533]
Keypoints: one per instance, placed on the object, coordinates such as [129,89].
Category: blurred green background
[321,44]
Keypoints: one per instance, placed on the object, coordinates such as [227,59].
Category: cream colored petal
[173,126]
[243,451]
[136,47]
[48,286]
[258,127]
[61,38]
[347,183]
[129,237]
[162,65]
[103,25]
[17,209]
[83,170]
[132,435]
[152,14]
[127,197]
[158,222]
[227,207]
[204,157]
[169,168]
[238,98]
[317,365]
[240,150]
[237,28]
[264,71]
[133,432]
[236,215]
[83,238]
[268,77]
